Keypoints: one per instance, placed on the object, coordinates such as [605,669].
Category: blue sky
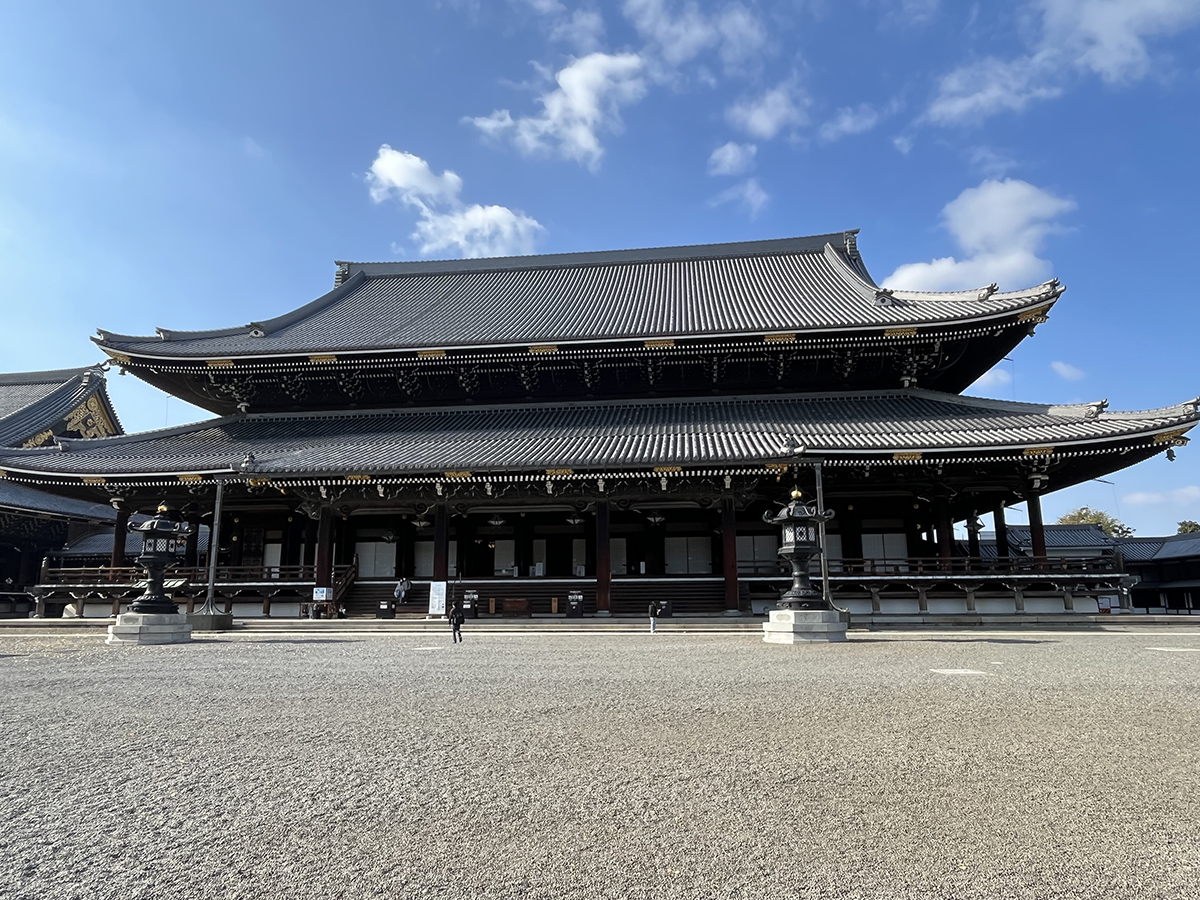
[202,167]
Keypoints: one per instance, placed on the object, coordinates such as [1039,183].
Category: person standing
[456,621]
[653,611]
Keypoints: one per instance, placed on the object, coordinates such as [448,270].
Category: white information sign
[322,594]
[437,598]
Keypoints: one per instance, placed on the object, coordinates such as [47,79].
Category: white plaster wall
[899,606]
[947,605]
[1044,605]
[995,606]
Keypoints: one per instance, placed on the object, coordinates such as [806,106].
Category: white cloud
[903,143]
[731,159]
[765,116]
[681,35]
[1179,496]
[749,194]
[583,28]
[1067,371]
[410,179]
[991,163]
[848,121]
[1107,38]
[1000,227]
[587,101]
[445,222]
[993,378]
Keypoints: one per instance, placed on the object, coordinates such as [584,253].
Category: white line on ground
[1176,649]
[958,671]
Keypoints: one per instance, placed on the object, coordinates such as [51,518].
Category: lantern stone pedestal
[802,626]
[202,621]
[149,628]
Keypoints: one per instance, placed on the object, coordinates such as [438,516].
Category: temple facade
[614,424]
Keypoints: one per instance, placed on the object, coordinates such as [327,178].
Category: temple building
[36,408]
[612,423]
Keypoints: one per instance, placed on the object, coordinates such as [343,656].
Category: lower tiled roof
[602,434]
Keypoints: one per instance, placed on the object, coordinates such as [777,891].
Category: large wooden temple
[614,423]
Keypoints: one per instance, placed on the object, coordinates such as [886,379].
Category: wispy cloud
[732,159]
[445,222]
[848,121]
[1000,227]
[993,378]
[678,33]
[586,102]
[1105,38]
[1067,371]
[765,115]
[748,194]
[1189,494]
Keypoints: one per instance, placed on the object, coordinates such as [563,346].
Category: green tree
[1085,515]
[1187,526]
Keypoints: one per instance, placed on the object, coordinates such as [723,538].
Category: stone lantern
[153,618]
[803,614]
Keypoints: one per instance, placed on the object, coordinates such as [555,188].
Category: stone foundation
[143,628]
[799,626]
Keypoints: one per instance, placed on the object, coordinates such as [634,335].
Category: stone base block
[210,622]
[799,626]
[143,628]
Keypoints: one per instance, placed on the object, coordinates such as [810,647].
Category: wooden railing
[936,565]
[197,575]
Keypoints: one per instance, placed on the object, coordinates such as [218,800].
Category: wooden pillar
[120,530]
[655,549]
[850,528]
[324,549]
[603,561]
[1002,551]
[1037,531]
[972,538]
[25,568]
[729,552]
[310,542]
[523,539]
[441,542]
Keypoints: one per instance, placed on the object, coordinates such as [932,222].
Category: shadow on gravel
[992,641]
[301,641]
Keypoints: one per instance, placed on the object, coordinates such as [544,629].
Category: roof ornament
[850,239]
[986,292]
[886,297]
[1189,407]
[1094,409]
[343,273]
[1051,288]
[247,462]
[256,330]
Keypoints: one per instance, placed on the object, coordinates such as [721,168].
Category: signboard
[437,598]
[322,594]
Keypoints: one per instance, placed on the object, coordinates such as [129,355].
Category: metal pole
[826,594]
[214,543]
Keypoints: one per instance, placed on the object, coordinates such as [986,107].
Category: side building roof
[793,285]
[899,426]
[36,406]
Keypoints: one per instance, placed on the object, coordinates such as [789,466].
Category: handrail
[189,574]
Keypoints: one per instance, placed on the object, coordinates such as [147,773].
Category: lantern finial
[797,493]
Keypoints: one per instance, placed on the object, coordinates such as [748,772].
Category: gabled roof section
[897,426]
[21,498]
[37,406]
[808,284]
[1173,546]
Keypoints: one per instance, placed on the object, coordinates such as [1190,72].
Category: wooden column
[1037,531]
[441,542]
[972,538]
[324,549]
[603,561]
[25,568]
[1002,551]
[729,555]
[120,530]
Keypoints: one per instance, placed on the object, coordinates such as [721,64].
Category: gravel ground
[622,766]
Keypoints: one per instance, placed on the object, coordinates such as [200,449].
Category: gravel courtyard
[622,766]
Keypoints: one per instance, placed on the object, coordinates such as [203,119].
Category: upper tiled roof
[34,402]
[692,432]
[791,285]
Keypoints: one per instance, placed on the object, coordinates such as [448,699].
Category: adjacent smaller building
[1167,570]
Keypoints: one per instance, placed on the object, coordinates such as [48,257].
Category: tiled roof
[22,498]
[1174,546]
[31,402]
[789,285]
[691,432]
